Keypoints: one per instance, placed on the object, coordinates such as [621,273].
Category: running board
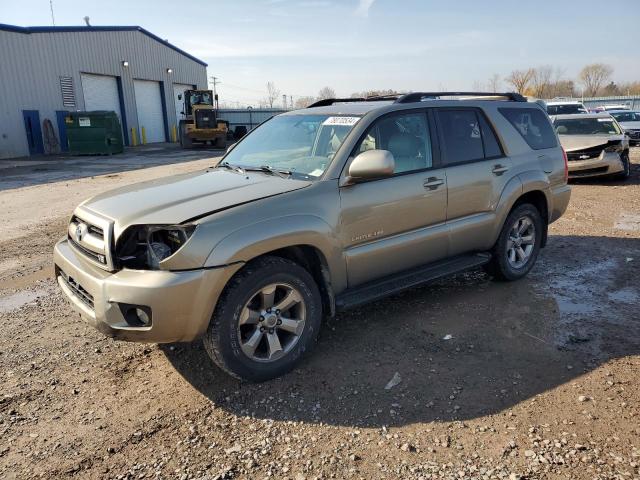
[386,286]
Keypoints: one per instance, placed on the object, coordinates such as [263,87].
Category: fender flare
[252,241]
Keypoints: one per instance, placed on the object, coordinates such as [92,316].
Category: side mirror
[370,165]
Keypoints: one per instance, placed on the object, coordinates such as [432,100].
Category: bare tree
[374,93]
[494,83]
[520,80]
[326,92]
[272,94]
[541,81]
[304,102]
[594,76]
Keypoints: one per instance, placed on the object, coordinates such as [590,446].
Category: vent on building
[68,95]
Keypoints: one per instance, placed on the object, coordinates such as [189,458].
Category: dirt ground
[536,379]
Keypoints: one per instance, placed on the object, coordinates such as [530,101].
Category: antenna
[86,20]
[53,19]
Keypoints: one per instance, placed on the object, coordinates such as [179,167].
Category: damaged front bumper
[607,163]
[178,305]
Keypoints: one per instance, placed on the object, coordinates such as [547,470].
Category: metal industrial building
[46,72]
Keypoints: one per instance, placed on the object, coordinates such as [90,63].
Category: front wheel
[266,319]
[518,245]
[626,165]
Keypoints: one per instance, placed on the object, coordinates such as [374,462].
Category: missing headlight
[145,246]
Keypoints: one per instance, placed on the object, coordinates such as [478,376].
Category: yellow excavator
[200,124]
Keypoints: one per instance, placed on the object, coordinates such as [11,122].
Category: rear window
[565,109]
[533,125]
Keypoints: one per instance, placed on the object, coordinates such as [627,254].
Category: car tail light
[566,165]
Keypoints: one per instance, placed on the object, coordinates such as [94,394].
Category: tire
[185,141]
[502,265]
[228,341]
[626,164]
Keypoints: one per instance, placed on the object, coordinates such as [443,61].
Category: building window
[68,94]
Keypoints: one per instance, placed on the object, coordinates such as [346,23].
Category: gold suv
[315,211]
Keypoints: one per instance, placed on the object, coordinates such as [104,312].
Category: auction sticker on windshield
[346,121]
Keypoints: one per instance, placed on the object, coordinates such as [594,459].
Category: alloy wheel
[521,241]
[271,322]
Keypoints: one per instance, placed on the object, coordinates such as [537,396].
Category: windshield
[200,98]
[565,109]
[627,116]
[587,126]
[300,144]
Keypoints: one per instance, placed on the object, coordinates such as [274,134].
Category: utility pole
[215,81]
[53,19]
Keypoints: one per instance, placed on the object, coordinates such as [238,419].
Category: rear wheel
[518,245]
[266,319]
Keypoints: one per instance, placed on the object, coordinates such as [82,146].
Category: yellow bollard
[144,136]
[134,137]
[174,134]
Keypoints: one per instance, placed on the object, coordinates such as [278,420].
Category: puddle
[628,221]
[625,295]
[20,299]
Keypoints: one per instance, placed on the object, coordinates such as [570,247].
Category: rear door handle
[432,183]
[499,169]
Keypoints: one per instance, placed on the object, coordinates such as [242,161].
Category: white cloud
[363,7]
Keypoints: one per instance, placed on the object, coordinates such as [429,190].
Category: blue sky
[355,45]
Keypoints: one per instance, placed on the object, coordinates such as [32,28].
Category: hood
[179,198]
[630,125]
[581,142]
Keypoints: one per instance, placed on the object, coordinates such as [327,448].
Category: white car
[565,107]
[630,123]
[609,108]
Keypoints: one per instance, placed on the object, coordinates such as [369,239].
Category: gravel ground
[536,379]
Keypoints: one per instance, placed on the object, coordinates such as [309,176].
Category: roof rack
[419,96]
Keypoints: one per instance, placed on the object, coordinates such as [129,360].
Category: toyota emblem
[81,230]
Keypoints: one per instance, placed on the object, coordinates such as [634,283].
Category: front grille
[89,235]
[205,119]
[92,255]
[582,155]
[77,289]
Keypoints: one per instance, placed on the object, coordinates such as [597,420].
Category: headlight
[145,246]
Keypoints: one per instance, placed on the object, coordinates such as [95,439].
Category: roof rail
[373,98]
[330,101]
[419,96]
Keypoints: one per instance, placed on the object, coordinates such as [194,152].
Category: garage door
[178,90]
[100,93]
[149,108]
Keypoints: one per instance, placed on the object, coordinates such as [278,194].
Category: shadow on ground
[511,341]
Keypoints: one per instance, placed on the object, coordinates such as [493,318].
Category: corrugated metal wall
[32,64]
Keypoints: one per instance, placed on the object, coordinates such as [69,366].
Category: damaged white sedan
[595,145]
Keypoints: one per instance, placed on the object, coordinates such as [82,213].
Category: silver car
[595,145]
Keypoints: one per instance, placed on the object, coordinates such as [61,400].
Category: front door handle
[432,183]
[499,169]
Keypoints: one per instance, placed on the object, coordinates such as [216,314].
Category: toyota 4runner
[315,211]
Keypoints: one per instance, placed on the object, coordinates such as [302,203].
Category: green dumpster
[94,133]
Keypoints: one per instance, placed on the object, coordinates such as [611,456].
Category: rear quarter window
[533,126]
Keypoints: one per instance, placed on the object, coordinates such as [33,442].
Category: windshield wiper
[235,168]
[271,170]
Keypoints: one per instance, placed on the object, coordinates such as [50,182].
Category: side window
[533,125]
[406,136]
[461,135]
[491,146]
